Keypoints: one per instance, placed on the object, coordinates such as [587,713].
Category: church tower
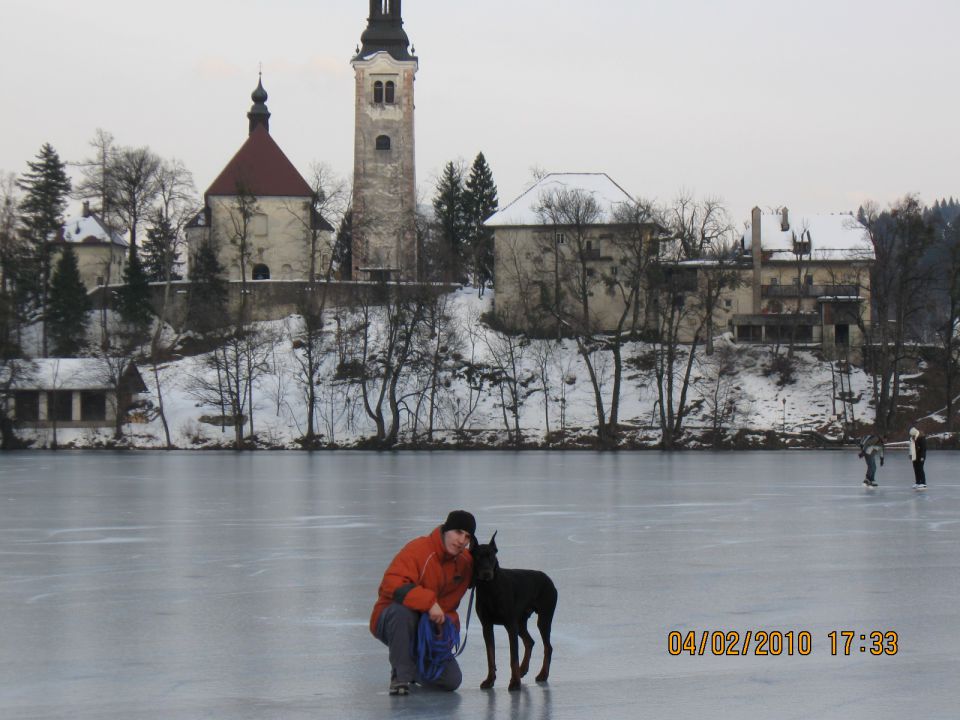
[384,181]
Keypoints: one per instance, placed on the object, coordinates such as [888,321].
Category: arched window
[383,142]
[261,272]
[385,7]
[390,92]
[378,92]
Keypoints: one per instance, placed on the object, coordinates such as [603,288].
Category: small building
[101,252]
[70,393]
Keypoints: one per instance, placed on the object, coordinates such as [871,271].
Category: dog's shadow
[531,702]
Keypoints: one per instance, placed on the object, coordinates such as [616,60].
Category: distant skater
[870,447]
[918,454]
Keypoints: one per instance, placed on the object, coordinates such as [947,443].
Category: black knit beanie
[460,520]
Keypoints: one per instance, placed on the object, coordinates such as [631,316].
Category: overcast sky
[814,104]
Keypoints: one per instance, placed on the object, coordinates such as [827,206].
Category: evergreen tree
[343,247]
[480,202]
[207,303]
[448,209]
[133,303]
[46,187]
[159,251]
[68,307]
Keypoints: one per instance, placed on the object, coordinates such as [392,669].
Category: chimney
[86,208]
[756,255]
[784,220]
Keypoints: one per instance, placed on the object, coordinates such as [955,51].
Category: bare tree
[899,286]
[948,324]
[133,182]
[509,376]
[228,376]
[96,181]
[573,214]
[382,333]
[695,267]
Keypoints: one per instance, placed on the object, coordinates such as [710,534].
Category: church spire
[259,115]
[385,31]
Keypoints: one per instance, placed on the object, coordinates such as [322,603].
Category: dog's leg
[513,632]
[527,647]
[544,624]
[491,657]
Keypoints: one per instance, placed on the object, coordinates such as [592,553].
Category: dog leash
[436,646]
[466,628]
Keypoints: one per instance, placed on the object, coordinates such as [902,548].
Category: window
[60,405]
[560,239]
[727,303]
[27,403]
[385,7]
[261,272]
[808,280]
[774,281]
[93,405]
[378,92]
[383,142]
[389,92]
[591,272]
[259,222]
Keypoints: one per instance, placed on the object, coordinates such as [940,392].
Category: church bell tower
[384,180]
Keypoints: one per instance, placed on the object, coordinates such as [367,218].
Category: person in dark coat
[870,447]
[918,455]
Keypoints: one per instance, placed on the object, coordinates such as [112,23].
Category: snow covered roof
[70,374]
[831,237]
[89,229]
[523,210]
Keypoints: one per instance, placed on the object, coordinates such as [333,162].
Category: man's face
[456,541]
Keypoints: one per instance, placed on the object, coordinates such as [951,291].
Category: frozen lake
[219,585]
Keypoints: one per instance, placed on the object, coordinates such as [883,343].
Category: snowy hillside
[755,399]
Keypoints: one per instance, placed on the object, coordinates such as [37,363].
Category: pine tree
[68,307]
[46,187]
[159,251]
[207,303]
[133,303]
[448,209]
[343,247]
[480,202]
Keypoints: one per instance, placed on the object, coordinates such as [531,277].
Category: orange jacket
[422,574]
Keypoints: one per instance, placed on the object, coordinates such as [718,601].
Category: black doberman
[508,598]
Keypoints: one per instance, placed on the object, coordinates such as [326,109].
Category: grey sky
[817,104]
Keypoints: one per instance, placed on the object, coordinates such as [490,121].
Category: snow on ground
[279,412]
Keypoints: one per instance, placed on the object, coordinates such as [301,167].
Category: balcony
[793,290]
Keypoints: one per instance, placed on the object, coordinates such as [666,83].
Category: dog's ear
[493,541]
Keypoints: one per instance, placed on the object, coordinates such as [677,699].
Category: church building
[384,184]
[260,213]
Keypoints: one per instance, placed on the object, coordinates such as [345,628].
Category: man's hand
[436,614]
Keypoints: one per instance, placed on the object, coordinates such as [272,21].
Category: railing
[794,290]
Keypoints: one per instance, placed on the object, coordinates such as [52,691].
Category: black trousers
[920,478]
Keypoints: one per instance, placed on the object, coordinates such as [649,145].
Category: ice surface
[192,585]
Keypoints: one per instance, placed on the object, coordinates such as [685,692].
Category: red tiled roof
[262,169]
